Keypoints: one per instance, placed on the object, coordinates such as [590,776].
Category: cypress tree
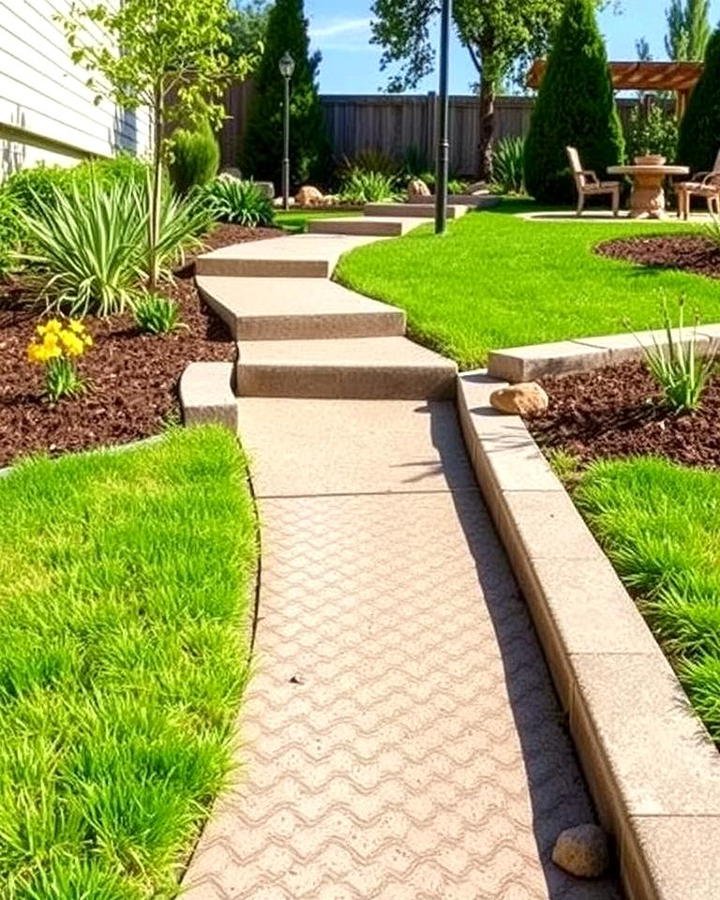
[310,154]
[700,128]
[575,106]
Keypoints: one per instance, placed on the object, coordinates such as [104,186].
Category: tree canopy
[688,29]
[247,26]
[699,140]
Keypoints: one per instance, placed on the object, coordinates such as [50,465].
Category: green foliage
[195,158]
[538,282]
[415,162]
[652,129]
[660,524]
[677,368]
[155,314]
[168,49]
[248,28]
[699,139]
[360,186]
[575,106]
[122,662]
[508,161]
[91,242]
[371,160]
[63,380]
[688,29]
[241,202]
[11,231]
[310,154]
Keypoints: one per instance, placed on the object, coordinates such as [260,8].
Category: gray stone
[582,851]
[417,188]
[524,399]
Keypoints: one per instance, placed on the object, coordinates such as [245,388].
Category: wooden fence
[394,122]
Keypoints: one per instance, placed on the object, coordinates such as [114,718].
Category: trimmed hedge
[575,106]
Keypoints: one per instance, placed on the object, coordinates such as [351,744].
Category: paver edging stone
[650,764]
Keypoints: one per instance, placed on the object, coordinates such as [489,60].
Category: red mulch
[616,411]
[133,377]
[688,252]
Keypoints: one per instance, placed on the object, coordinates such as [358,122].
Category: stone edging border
[651,767]
[526,363]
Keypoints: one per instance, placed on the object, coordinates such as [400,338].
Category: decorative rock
[477,187]
[582,851]
[309,196]
[231,174]
[418,188]
[524,399]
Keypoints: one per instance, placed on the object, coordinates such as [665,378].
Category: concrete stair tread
[305,308]
[413,210]
[342,352]
[379,226]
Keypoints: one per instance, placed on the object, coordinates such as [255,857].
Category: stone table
[648,196]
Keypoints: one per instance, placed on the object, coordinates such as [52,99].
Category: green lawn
[295,221]
[124,583]
[660,525]
[496,280]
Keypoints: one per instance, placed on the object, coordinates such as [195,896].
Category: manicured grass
[124,589]
[296,221]
[496,280]
[660,525]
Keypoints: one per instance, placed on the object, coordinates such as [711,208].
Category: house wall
[47,112]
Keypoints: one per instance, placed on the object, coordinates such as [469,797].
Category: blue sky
[341,30]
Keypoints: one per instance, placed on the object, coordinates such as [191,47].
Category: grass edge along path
[659,523]
[125,581]
[496,280]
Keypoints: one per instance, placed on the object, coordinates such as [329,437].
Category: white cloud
[339,26]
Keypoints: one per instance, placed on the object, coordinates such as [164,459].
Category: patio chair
[702,184]
[589,185]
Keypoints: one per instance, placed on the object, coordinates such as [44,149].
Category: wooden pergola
[680,77]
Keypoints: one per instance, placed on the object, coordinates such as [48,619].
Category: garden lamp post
[443,149]
[287,67]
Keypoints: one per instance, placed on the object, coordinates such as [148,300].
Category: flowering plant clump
[57,346]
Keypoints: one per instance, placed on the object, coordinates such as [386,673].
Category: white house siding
[46,111]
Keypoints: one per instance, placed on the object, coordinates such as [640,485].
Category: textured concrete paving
[400,738]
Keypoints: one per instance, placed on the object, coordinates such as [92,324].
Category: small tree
[699,139]
[310,154]
[575,106]
[148,51]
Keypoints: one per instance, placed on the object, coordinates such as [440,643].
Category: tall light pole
[443,149]
[287,67]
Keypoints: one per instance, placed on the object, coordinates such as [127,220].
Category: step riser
[479,202]
[358,227]
[263,268]
[346,383]
[405,210]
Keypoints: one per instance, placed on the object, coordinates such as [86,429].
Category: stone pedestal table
[648,196]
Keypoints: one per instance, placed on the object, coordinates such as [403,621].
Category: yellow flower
[76,326]
[54,326]
[89,342]
[72,343]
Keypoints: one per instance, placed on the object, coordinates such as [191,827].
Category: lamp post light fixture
[287,68]
[443,149]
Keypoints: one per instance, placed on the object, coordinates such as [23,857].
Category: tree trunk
[487,125]
[155,189]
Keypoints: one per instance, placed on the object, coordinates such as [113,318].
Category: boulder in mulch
[582,851]
[309,196]
[417,188]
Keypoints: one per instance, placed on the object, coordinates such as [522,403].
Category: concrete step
[291,256]
[261,309]
[361,368]
[401,210]
[476,201]
[377,226]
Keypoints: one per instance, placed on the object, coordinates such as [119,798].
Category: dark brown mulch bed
[688,252]
[133,377]
[616,411]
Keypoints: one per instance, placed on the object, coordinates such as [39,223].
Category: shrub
[652,129]
[371,161]
[11,231]
[195,158]
[155,314]
[241,202]
[416,163]
[57,347]
[310,153]
[508,156]
[677,369]
[91,243]
[34,189]
[360,186]
[699,138]
[575,106]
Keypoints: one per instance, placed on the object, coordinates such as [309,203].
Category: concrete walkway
[400,737]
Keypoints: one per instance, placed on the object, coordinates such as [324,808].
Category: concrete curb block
[650,765]
[207,395]
[516,364]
